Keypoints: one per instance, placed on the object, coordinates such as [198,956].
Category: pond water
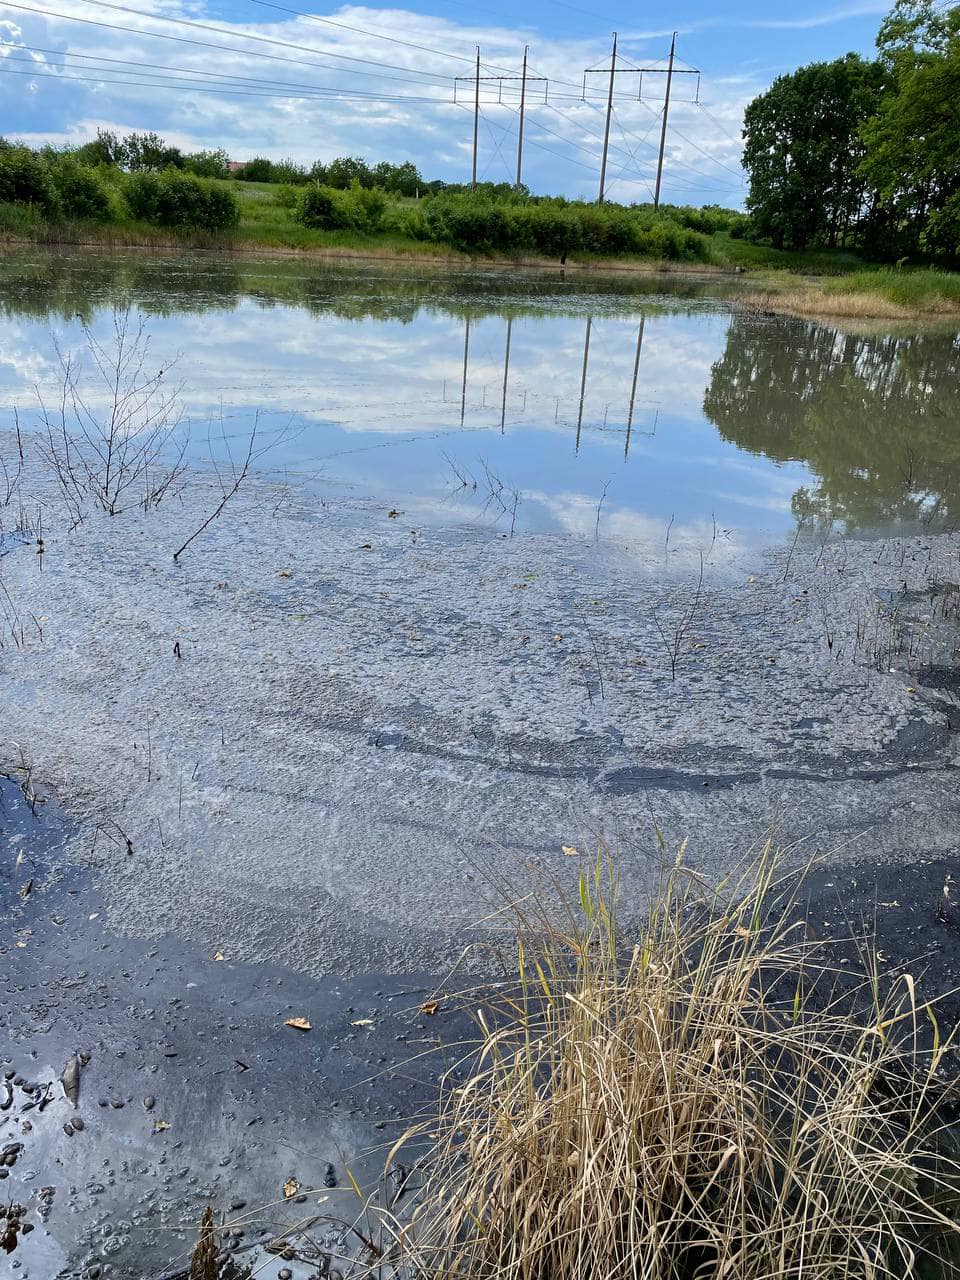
[522,398]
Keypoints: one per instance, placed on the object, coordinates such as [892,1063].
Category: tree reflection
[876,418]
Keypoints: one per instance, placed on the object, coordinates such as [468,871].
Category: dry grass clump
[813,301]
[706,1102]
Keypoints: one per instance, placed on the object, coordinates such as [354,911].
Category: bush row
[552,229]
[58,187]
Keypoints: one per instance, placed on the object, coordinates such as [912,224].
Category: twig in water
[596,534]
[674,643]
[666,541]
[227,491]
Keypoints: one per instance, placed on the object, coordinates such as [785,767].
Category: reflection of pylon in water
[631,429]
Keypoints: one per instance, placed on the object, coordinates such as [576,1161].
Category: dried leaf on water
[362,1022]
[429,1007]
[160,1125]
[25,890]
[218,955]
[70,1079]
[290,1188]
[570,850]
[299,1024]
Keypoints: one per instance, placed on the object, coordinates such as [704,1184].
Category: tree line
[864,154]
[150,153]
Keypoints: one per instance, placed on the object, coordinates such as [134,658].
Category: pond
[521,398]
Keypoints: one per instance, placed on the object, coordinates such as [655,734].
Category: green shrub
[319,208]
[286,195]
[25,179]
[173,199]
[80,191]
[326,209]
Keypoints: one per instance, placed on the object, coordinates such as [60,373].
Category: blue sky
[381,82]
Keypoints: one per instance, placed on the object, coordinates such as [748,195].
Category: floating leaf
[558,637]
[299,1024]
[218,955]
[160,1125]
[429,1007]
[362,1022]
[290,1188]
[570,850]
[70,1079]
[285,573]
[25,890]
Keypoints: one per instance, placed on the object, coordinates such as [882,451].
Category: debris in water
[300,1024]
[70,1079]
[290,1188]
[429,1007]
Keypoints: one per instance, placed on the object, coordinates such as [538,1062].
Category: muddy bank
[190,1088]
[323,747]
[327,733]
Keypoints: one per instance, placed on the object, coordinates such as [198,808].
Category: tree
[106,149]
[208,164]
[802,148]
[399,179]
[912,144]
[345,170]
[148,153]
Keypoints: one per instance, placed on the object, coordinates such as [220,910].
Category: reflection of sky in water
[381,406]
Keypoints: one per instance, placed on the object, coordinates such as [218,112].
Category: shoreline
[797,294]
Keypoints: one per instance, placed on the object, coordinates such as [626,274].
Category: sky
[301,79]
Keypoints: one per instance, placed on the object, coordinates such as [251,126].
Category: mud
[326,744]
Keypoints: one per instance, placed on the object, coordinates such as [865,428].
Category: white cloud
[404,109]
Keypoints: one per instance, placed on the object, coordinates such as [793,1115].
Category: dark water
[543,395]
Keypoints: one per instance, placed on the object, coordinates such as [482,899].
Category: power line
[191,71]
[206,26]
[365,31]
[332,95]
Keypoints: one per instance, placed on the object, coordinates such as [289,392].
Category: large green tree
[912,144]
[802,149]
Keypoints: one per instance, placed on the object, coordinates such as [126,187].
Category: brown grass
[819,302]
[698,1101]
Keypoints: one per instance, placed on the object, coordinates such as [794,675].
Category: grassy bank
[867,294]
[829,284]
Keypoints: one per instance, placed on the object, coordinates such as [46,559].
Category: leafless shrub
[229,479]
[674,634]
[115,419]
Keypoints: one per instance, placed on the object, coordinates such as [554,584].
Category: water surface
[523,398]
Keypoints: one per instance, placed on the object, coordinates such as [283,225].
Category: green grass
[760,257]
[922,288]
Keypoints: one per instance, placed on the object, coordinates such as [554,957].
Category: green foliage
[328,209]
[107,149]
[25,179]
[286,195]
[262,169]
[802,146]
[399,179]
[865,154]
[80,191]
[555,228]
[172,199]
[148,153]
[345,170]
[913,143]
[208,164]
